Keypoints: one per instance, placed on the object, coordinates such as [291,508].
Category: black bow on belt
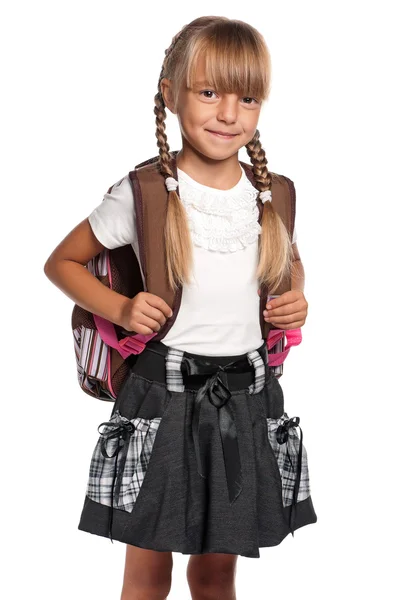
[282,435]
[218,394]
[121,430]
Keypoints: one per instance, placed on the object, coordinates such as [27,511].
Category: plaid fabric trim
[288,470]
[260,372]
[102,469]
[174,376]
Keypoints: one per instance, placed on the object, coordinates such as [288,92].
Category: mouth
[223,135]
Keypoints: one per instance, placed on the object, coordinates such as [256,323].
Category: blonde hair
[237,61]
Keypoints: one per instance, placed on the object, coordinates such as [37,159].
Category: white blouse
[219,311]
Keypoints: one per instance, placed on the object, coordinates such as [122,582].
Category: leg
[147,574]
[212,576]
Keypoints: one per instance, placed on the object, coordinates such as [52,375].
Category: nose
[228,108]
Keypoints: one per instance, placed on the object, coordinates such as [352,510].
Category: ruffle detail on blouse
[222,220]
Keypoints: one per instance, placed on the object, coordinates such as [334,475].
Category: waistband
[163,349]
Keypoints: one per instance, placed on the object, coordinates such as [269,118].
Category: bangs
[236,60]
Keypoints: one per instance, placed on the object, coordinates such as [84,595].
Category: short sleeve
[113,221]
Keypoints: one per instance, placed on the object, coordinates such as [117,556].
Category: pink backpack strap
[133,344]
[293,337]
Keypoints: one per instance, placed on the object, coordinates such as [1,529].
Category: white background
[78,81]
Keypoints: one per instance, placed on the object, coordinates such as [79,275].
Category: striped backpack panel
[101,369]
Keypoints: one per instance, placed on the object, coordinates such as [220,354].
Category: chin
[218,153]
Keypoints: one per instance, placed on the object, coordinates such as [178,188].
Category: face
[203,110]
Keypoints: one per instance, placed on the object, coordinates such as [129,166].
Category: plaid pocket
[120,460]
[285,442]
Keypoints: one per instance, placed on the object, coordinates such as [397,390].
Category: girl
[196,455]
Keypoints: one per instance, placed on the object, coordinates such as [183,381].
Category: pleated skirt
[231,480]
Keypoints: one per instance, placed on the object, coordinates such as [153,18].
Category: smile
[222,136]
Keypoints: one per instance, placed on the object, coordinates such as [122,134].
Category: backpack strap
[134,344]
[293,337]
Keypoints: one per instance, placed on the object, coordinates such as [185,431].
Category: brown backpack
[104,351]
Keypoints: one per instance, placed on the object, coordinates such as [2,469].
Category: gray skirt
[198,456]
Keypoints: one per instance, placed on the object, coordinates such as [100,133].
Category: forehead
[199,76]
[229,71]
[200,73]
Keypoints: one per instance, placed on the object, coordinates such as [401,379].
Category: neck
[221,174]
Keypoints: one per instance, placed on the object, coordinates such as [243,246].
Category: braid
[177,237]
[259,162]
[160,113]
[164,149]
[275,250]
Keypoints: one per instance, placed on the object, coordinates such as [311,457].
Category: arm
[66,269]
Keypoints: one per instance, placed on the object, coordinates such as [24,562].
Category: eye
[249,98]
[252,100]
[207,92]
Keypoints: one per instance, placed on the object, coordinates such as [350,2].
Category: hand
[145,313]
[288,311]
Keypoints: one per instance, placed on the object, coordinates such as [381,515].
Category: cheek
[192,121]
[248,134]
[191,129]
[251,125]
[250,120]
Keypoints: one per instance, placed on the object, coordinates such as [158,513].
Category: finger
[150,323]
[288,298]
[286,318]
[286,309]
[158,302]
[144,330]
[153,313]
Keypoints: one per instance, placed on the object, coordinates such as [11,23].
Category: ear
[165,87]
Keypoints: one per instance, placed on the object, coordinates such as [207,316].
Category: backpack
[104,351]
